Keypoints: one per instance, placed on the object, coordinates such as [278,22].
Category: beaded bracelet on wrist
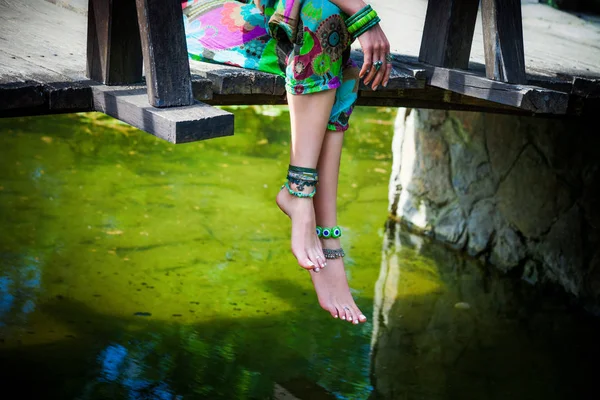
[362,21]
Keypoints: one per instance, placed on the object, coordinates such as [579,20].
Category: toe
[341,312]
[314,260]
[348,312]
[303,260]
[361,317]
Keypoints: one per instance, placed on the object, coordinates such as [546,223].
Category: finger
[372,73]
[367,65]
[388,72]
[380,74]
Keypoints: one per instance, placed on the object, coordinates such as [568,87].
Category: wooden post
[165,53]
[448,33]
[114,50]
[503,40]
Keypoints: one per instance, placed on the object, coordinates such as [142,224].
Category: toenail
[355,321]
[335,316]
[343,317]
[310,264]
[317,269]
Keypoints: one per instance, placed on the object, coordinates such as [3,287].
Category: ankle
[331,243]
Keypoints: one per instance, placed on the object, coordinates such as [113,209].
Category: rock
[480,226]
[462,306]
[471,174]
[531,197]
[450,226]
[430,169]
[504,142]
[530,273]
[559,150]
[562,253]
[508,250]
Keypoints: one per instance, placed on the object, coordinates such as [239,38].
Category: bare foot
[333,292]
[305,242]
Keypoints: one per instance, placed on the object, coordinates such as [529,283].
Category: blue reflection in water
[18,288]
[6,298]
[121,367]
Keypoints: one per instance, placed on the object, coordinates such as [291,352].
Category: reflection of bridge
[42,67]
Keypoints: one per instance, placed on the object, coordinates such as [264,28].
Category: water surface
[131,268]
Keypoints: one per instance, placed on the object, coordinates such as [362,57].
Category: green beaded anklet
[298,194]
[329,233]
[301,177]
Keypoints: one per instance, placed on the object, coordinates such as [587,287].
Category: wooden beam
[114,52]
[183,124]
[165,53]
[448,33]
[530,98]
[503,40]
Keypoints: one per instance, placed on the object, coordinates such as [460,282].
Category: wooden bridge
[57,57]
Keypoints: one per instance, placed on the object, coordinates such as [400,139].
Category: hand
[375,47]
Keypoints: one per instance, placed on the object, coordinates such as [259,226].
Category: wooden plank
[586,87]
[448,33]
[503,40]
[529,98]
[69,96]
[165,53]
[234,80]
[182,124]
[433,98]
[114,52]
[21,95]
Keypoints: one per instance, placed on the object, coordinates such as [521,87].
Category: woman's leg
[331,284]
[309,116]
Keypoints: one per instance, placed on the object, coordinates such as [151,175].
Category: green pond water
[131,268]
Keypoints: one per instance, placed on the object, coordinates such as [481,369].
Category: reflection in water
[131,268]
[448,329]
[134,269]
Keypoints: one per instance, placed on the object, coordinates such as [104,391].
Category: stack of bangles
[331,233]
[362,21]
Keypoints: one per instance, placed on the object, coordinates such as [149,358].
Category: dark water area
[131,268]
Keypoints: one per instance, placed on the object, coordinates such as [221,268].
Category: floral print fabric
[305,41]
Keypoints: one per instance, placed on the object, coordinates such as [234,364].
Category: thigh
[320,48]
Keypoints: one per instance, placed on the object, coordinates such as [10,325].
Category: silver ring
[388,58]
[346,308]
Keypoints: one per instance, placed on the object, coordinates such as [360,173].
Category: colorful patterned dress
[305,41]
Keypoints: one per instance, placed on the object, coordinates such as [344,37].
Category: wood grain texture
[182,124]
[448,33]
[529,98]
[165,53]
[503,40]
[114,52]
[43,57]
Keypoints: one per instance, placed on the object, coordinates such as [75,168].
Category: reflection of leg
[309,115]
[331,284]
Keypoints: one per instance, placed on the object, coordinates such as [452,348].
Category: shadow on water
[134,269]
[473,334]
